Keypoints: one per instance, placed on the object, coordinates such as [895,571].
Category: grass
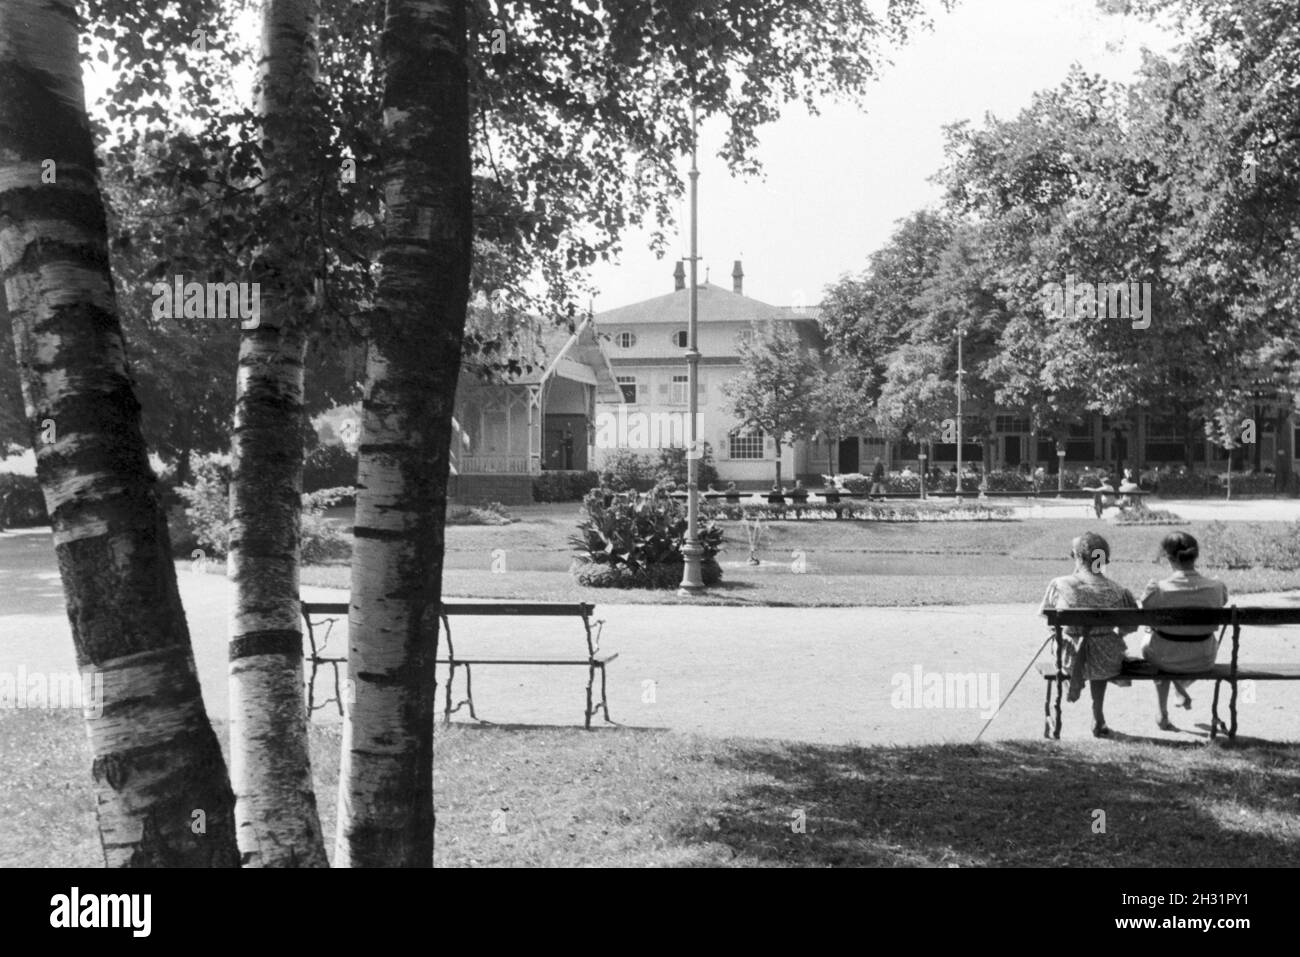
[628,797]
[847,563]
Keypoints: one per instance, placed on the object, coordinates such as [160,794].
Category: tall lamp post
[692,551]
[960,373]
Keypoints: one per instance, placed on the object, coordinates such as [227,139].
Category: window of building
[677,391]
[746,445]
[681,338]
[627,384]
[625,340]
[1011,423]
[745,338]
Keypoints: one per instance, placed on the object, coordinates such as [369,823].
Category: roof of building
[715,304]
[573,355]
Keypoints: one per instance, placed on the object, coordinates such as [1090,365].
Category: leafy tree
[842,405]
[775,388]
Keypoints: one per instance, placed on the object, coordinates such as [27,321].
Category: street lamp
[960,373]
[692,551]
[922,456]
[1060,468]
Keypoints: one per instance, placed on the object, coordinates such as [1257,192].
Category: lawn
[564,797]
[829,563]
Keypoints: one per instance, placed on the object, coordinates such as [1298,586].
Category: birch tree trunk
[270,764]
[162,793]
[386,779]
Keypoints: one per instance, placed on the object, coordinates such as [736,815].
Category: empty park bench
[323,615]
[1140,670]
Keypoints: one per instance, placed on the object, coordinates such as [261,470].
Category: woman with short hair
[1181,648]
[1094,653]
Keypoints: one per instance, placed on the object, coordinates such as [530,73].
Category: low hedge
[563,486]
[1211,485]
[663,576]
[22,504]
[865,511]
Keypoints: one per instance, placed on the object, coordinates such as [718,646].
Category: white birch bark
[278,823]
[162,793]
[386,813]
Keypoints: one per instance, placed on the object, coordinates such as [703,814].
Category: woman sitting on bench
[1094,654]
[1181,648]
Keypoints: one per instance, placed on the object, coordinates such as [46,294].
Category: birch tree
[162,792]
[386,813]
[270,763]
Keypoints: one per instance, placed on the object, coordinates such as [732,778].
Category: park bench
[1138,670]
[593,661]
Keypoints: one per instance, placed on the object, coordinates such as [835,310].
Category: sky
[837,183]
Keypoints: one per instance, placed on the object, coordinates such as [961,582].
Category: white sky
[836,184]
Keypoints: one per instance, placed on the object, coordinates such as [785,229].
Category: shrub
[207,501]
[637,537]
[207,514]
[626,469]
[1152,516]
[322,541]
[855,482]
[329,466]
[866,511]
[655,576]
[21,501]
[492,513]
[563,486]
[673,466]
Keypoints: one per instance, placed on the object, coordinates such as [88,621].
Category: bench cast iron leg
[1059,688]
[1214,710]
[1047,710]
[604,701]
[451,678]
[1232,707]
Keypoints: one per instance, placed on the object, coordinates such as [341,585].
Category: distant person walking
[877,479]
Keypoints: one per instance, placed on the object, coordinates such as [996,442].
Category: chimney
[679,277]
[737,279]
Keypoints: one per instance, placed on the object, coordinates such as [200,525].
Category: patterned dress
[1091,654]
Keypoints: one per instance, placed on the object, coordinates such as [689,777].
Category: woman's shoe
[1187,702]
[1100,731]
[1164,724]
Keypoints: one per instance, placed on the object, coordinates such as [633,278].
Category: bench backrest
[552,608]
[1109,617]
[1232,615]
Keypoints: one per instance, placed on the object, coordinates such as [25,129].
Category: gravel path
[834,675]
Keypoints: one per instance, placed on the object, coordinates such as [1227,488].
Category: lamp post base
[692,575]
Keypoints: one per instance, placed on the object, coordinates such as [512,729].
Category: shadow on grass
[1010,804]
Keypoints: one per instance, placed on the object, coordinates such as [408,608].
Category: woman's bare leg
[1098,689]
[1162,696]
[1182,690]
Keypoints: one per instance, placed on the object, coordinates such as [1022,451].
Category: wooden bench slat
[472,608]
[1145,671]
[1171,616]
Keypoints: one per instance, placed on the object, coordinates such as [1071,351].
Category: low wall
[506,489]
